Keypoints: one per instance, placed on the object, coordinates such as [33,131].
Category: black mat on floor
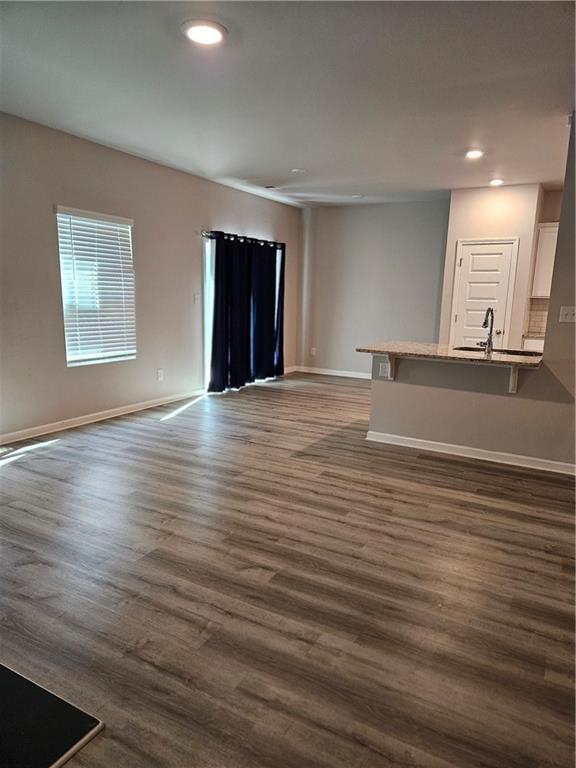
[37,729]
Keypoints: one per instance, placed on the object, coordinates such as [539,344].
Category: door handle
[498,333]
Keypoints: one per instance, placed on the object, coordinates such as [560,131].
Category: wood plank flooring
[248,583]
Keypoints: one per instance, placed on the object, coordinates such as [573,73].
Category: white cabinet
[534,345]
[544,262]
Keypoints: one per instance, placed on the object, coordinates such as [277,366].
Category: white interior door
[485,272]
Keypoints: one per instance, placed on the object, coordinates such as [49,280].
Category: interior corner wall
[490,213]
[370,273]
[551,205]
[44,167]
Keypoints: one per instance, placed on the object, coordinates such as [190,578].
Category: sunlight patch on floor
[19,452]
[182,408]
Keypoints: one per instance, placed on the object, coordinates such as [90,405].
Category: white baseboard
[332,372]
[78,421]
[89,418]
[532,462]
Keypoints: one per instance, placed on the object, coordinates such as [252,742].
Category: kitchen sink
[522,352]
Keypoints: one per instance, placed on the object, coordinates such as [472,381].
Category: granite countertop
[446,352]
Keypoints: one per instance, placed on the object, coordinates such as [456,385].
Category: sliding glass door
[209,248]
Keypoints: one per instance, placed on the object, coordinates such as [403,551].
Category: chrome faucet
[488,345]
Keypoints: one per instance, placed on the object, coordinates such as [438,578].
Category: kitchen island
[432,397]
[389,351]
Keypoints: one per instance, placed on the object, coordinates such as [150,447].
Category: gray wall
[467,405]
[371,272]
[43,167]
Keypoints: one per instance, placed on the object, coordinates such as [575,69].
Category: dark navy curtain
[239,263]
[247,336]
[219,364]
[263,310]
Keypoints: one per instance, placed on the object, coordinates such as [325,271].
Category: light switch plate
[567,315]
[159,374]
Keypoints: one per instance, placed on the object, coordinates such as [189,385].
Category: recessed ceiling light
[298,171]
[357,197]
[496,182]
[474,154]
[204,32]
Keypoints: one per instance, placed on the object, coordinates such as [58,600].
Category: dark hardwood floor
[251,584]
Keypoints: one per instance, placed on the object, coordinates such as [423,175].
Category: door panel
[483,276]
[478,291]
[485,262]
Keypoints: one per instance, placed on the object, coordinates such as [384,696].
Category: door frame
[515,243]
[206,321]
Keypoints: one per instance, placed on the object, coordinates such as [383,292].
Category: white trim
[457,284]
[332,372]
[92,215]
[532,462]
[78,421]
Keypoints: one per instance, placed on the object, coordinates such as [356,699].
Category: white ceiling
[377,98]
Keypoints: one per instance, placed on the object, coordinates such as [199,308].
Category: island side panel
[469,405]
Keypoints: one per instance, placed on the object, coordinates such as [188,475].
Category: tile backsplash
[538,314]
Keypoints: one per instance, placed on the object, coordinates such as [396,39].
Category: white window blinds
[97,275]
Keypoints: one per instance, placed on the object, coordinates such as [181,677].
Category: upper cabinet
[544,262]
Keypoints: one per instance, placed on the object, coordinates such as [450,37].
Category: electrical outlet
[196,298]
[313,351]
[159,374]
[567,315]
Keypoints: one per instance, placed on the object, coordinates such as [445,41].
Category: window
[97,277]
